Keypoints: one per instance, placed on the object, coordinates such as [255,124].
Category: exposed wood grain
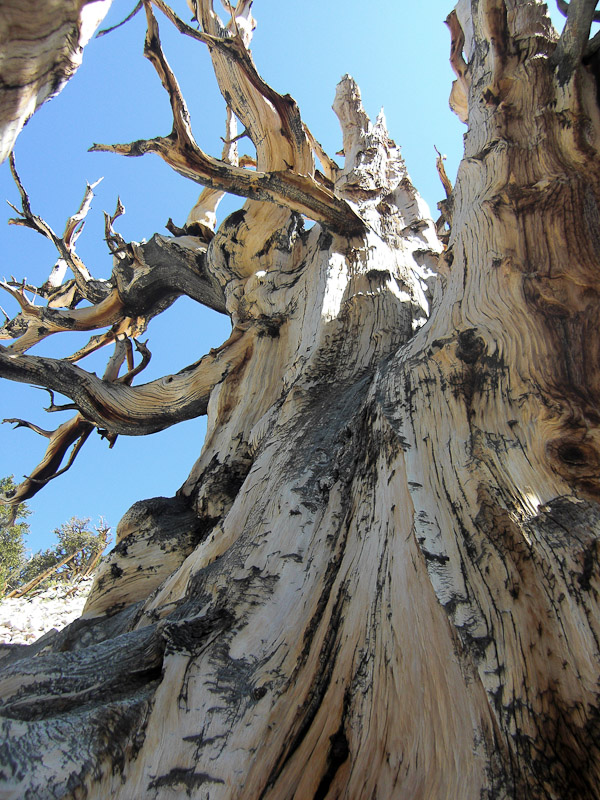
[41,48]
[381,578]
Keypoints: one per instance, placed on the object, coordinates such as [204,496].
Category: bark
[381,577]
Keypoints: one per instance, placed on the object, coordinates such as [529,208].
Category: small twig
[441,170]
[104,31]
[22,423]
[93,290]
[146,356]
[53,407]
[116,243]
[76,222]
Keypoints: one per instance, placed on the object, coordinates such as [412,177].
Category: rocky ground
[25,619]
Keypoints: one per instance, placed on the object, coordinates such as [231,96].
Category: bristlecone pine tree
[381,578]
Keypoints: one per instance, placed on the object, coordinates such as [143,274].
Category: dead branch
[22,423]
[146,279]
[204,211]
[22,590]
[131,15]
[133,411]
[37,322]
[116,243]
[73,432]
[76,430]
[93,290]
[272,120]
[103,530]
[135,370]
[573,41]
[441,170]
[330,169]
[563,7]
[76,222]
[297,191]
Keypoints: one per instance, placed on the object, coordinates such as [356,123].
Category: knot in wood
[470,346]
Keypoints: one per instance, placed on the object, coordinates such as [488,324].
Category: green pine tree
[13,530]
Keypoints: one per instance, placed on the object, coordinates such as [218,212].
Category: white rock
[23,620]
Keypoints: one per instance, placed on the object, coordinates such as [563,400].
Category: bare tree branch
[203,214]
[145,280]
[573,40]
[135,370]
[73,432]
[131,15]
[38,322]
[22,423]
[116,243]
[93,290]
[133,411]
[297,191]
[563,7]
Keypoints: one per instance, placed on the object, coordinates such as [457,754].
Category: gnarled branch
[296,190]
[145,280]
[73,432]
[139,410]
[40,322]
[573,40]
[93,290]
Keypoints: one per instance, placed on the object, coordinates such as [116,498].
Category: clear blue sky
[397,52]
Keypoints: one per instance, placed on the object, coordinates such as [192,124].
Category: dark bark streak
[174,270]
[338,754]
[180,777]
[320,685]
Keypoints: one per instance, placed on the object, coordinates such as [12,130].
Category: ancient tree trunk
[41,45]
[381,577]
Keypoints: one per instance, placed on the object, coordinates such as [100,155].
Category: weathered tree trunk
[41,45]
[381,578]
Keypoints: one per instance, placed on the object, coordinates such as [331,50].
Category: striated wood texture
[381,578]
[41,46]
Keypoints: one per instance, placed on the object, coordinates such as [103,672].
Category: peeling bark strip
[381,578]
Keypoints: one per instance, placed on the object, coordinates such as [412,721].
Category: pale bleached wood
[381,577]
[41,46]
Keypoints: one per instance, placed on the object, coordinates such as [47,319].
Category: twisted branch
[133,411]
[73,432]
[92,290]
[297,191]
